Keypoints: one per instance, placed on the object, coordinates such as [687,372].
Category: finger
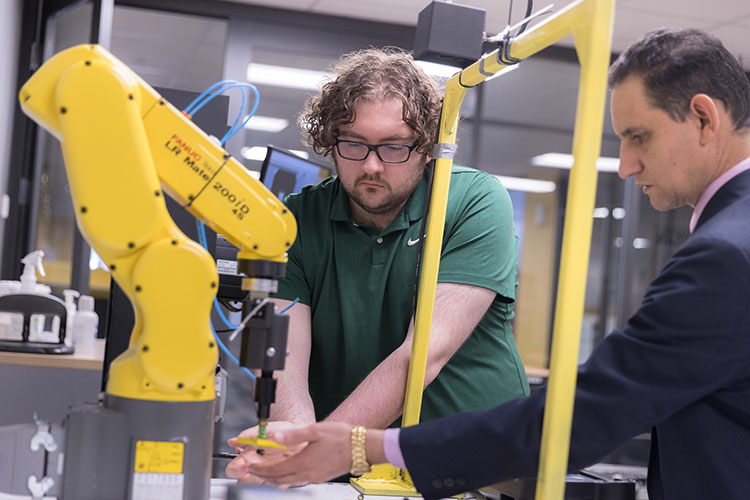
[291,437]
[237,468]
[251,479]
[273,470]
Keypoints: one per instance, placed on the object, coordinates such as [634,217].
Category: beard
[389,203]
[386,199]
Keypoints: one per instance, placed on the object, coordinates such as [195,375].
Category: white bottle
[11,324]
[31,263]
[70,308]
[85,325]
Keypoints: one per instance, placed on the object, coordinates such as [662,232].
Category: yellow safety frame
[590,23]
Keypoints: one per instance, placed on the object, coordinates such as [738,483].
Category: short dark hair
[678,64]
[370,75]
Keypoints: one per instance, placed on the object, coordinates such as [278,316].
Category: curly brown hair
[370,75]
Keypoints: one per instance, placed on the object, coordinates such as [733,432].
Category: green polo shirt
[359,282]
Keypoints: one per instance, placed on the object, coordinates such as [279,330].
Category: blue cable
[194,107]
[289,306]
[225,350]
[236,127]
[230,355]
[189,108]
[221,87]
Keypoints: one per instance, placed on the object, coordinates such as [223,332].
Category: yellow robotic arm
[122,144]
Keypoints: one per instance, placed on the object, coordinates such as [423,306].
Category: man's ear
[704,109]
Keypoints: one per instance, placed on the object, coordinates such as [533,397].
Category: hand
[248,455]
[325,453]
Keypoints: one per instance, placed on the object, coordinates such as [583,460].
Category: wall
[10,32]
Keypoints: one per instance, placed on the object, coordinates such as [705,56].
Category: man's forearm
[378,401]
[293,403]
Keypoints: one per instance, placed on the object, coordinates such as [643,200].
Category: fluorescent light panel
[266,124]
[560,160]
[258,153]
[446,71]
[285,76]
[439,70]
[528,185]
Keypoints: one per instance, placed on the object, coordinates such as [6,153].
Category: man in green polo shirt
[353,263]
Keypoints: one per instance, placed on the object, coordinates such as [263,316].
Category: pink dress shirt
[715,186]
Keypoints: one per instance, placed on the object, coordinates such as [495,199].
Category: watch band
[359,454]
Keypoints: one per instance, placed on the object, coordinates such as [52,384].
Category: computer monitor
[284,172]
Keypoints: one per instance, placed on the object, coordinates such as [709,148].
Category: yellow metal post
[590,21]
[592,44]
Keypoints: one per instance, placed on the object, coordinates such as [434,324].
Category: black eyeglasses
[388,153]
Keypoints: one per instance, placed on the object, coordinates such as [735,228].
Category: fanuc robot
[125,146]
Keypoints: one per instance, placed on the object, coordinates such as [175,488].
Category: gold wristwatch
[359,453]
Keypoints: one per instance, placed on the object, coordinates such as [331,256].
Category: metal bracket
[42,437]
[444,150]
[39,488]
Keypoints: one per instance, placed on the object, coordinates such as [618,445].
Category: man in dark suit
[681,366]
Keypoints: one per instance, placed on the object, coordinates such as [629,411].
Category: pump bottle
[85,325]
[70,308]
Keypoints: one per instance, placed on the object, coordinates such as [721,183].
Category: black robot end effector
[264,341]
[265,394]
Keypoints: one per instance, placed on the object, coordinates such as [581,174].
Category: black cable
[510,12]
[422,231]
[425,213]
[529,8]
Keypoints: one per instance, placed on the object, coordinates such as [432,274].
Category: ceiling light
[640,243]
[266,123]
[618,213]
[258,153]
[601,213]
[284,76]
[528,185]
[439,70]
[560,160]
[446,71]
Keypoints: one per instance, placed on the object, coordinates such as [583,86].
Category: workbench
[47,384]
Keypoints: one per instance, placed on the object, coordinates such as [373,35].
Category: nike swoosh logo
[412,242]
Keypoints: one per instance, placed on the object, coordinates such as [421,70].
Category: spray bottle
[32,262]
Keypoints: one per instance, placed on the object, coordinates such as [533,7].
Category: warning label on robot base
[150,486]
[159,456]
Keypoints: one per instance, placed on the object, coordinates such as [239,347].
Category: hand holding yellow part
[261,443]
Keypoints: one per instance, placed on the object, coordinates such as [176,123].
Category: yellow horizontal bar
[529,43]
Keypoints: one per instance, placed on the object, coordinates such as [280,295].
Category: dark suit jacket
[681,367]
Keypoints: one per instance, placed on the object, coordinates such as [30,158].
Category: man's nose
[372,164]
[629,163]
